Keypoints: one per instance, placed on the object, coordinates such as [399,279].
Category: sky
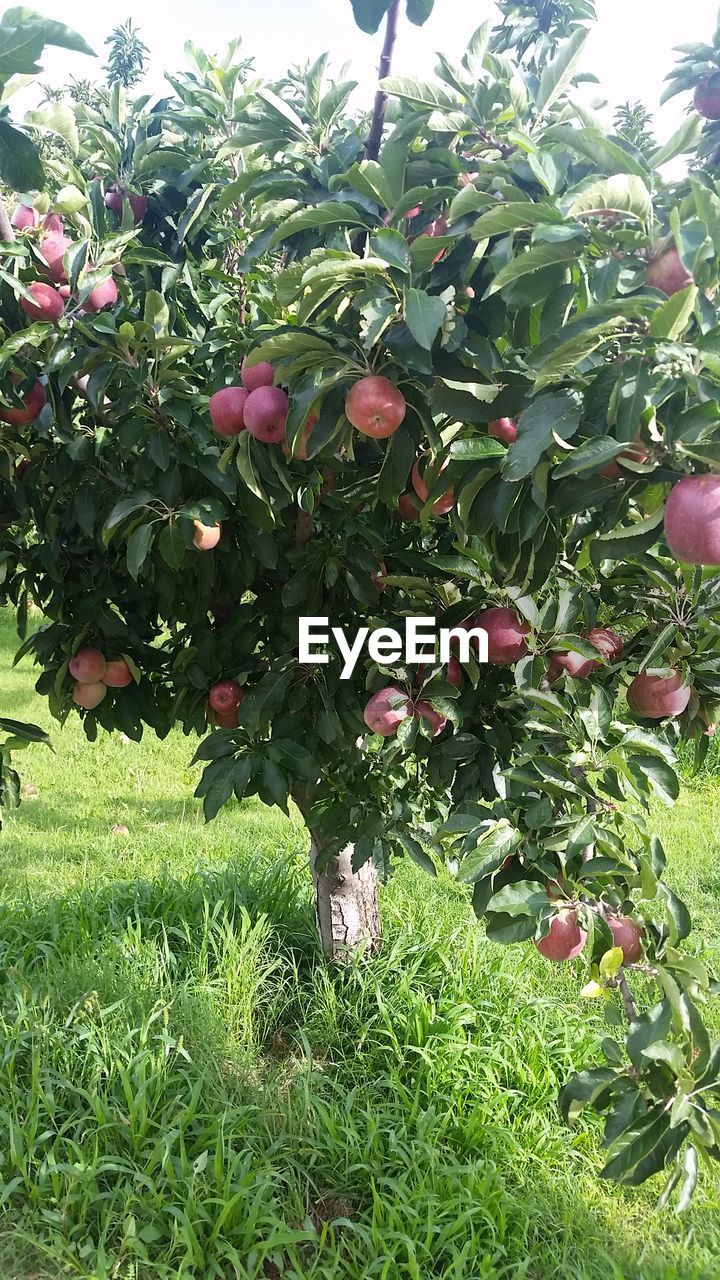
[630,49]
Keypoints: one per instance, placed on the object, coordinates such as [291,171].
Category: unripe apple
[103,295]
[34,403]
[89,695]
[408,506]
[25,217]
[628,936]
[668,273]
[707,98]
[503,429]
[605,641]
[257,375]
[53,247]
[434,719]
[225,696]
[266,413]
[445,502]
[46,305]
[227,408]
[87,666]
[692,520]
[386,709]
[206,536]
[565,940]
[375,407]
[117,674]
[506,634]
[655,697]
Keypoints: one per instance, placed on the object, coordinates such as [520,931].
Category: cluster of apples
[47,301]
[566,937]
[223,704]
[94,675]
[258,406]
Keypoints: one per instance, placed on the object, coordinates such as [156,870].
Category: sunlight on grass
[186,1088]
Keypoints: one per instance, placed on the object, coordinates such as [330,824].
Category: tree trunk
[346,905]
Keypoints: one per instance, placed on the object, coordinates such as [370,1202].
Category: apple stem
[7,235]
[374,138]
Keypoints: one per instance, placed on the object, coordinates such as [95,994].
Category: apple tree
[265,359]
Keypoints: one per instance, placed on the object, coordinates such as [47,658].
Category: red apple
[445,502]
[206,536]
[137,202]
[668,273]
[52,222]
[266,411]
[103,295]
[47,303]
[257,375]
[117,674]
[408,506]
[565,940]
[53,247]
[222,720]
[375,407]
[503,429]
[628,935]
[378,575]
[605,641]
[453,673]
[434,719]
[225,696]
[386,709]
[227,409]
[692,520]
[34,403]
[25,217]
[638,453]
[655,697]
[89,695]
[707,98]
[87,666]
[506,634]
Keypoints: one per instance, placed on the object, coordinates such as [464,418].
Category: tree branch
[374,138]
[7,235]
[626,993]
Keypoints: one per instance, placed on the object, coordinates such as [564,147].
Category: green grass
[186,1089]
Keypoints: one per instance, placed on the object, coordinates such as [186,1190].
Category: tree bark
[346,905]
[374,138]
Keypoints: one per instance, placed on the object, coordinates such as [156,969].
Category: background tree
[266,376]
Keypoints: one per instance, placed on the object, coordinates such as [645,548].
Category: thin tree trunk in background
[374,138]
[346,904]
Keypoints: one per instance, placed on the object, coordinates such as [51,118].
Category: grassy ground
[187,1090]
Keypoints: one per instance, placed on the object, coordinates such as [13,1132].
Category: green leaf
[589,456]
[423,94]
[554,414]
[525,898]
[494,846]
[535,259]
[623,193]
[417,853]
[57,117]
[418,11]
[424,316]
[330,214]
[671,319]
[138,546]
[20,164]
[392,247]
[558,73]
[684,139]
[51,32]
[512,217]
[369,177]
[171,546]
[582,1089]
[369,14]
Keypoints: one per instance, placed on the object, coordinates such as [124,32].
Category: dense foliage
[506,259]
